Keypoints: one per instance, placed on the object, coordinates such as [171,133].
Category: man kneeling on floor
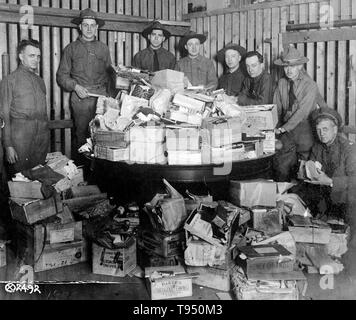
[334,184]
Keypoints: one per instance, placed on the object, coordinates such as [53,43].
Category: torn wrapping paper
[130,105]
[200,254]
[104,103]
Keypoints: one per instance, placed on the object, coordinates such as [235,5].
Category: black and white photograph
[177,155]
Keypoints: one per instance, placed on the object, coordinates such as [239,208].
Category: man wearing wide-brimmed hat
[154,57]
[199,70]
[335,183]
[296,96]
[83,70]
[232,55]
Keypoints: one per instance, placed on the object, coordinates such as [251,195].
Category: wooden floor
[77,282]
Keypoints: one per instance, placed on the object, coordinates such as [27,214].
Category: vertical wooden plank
[3,40]
[220,38]
[303,18]
[143,13]
[128,36]
[74,31]
[228,28]
[207,52]
[259,32]
[236,27]
[112,36]
[158,9]
[13,42]
[185,6]
[213,38]
[243,27]
[46,61]
[24,29]
[342,62]
[35,30]
[200,28]
[135,36]
[84,4]
[165,15]
[193,23]
[320,66]
[284,22]
[56,101]
[352,81]
[331,65]
[172,17]
[251,30]
[179,17]
[66,104]
[94,5]
[103,35]
[120,45]
[313,17]
[267,29]
[275,32]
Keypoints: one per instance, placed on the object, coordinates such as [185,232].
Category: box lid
[261,251]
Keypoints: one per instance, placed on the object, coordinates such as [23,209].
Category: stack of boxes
[47,235]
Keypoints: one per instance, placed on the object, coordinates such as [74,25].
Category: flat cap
[326,112]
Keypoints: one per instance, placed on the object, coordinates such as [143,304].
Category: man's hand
[322,180]
[81,92]
[11,155]
[280,130]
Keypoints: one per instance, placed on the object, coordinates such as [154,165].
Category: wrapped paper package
[200,253]
[160,101]
[130,105]
[168,79]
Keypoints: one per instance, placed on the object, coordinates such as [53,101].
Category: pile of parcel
[154,120]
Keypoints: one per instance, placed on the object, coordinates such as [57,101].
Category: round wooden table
[140,182]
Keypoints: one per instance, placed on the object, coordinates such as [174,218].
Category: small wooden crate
[27,190]
[51,245]
[30,211]
[115,262]
[178,286]
[111,139]
[112,154]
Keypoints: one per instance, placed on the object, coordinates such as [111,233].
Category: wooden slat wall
[332,64]
[122,45]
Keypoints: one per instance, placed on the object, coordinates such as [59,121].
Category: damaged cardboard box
[221,131]
[115,262]
[272,258]
[30,211]
[27,190]
[260,117]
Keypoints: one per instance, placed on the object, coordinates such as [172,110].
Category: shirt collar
[198,58]
[22,67]
[80,38]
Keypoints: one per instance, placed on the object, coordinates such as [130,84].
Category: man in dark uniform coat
[24,109]
[154,57]
[84,70]
[232,55]
[335,184]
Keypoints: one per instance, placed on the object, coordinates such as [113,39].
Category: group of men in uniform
[307,129]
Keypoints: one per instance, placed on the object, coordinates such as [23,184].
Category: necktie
[292,97]
[155,61]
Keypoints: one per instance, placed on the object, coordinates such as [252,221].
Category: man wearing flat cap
[296,97]
[199,70]
[335,183]
[154,57]
[231,55]
[83,70]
